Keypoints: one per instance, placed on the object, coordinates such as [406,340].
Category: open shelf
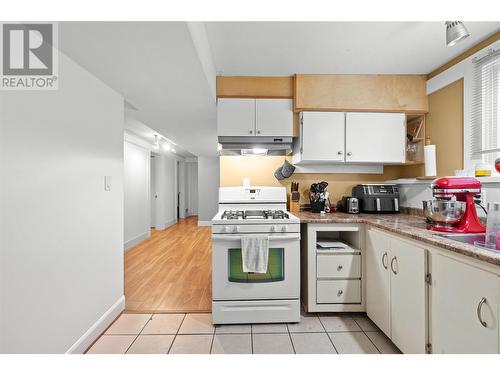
[415,140]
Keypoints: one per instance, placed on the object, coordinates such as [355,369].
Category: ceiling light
[166,146]
[173,150]
[156,143]
[455,32]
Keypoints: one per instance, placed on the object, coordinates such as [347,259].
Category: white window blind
[485,135]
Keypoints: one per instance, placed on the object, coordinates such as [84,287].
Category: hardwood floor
[171,271]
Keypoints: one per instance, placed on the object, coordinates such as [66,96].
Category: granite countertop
[406,225]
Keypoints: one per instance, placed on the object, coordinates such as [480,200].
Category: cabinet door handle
[384,263]
[250,132]
[394,271]
[340,153]
[339,268]
[479,311]
[340,292]
[258,131]
[349,153]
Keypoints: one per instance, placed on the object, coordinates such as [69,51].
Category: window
[485,140]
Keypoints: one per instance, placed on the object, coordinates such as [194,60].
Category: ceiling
[145,133]
[161,67]
[286,48]
[154,65]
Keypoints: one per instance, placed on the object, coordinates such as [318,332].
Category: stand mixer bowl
[444,212]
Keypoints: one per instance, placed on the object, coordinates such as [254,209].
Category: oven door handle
[229,237]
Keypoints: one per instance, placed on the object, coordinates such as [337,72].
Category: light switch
[107,183]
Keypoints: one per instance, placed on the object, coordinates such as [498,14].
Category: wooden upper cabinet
[375,93]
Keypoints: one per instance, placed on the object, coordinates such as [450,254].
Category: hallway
[171,271]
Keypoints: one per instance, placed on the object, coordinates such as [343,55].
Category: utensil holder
[317,206]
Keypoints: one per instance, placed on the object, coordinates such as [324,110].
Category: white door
[375,138]
[463,299]
[274,117]
[408,297]
[235,117]
[322,136]
[378,288]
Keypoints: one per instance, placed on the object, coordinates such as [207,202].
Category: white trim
[130,137]
[166,225]
[97,328]
[339,168]
[202,223]
[202,46]
[137,239]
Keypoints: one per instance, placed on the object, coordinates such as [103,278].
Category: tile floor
[194,334]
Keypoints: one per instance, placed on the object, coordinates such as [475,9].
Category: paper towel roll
[430,160]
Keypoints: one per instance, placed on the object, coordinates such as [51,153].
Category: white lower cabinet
[408,296]
[464,308]
[396,289]
[378,281]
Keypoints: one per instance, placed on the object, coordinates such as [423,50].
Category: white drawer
[338,291]
[341,266]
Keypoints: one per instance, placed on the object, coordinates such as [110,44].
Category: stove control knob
[236,229]
[283,228]
[273,228]
[227,229]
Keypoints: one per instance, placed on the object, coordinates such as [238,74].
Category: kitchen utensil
[287,169]
[453,209]
[444,212]
[349,205]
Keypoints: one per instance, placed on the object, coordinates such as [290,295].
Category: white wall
[192,187]
[61,233]
[137,205]
[208,188]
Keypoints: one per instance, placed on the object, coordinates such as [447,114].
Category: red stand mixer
[453,209]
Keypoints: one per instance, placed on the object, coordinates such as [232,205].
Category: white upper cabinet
[321,137]
[375,138]
[254,117]
[464,308]
[274,117]
[236,117]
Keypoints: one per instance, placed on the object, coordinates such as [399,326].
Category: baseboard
[202,223]
[97,328]
[166,225]
[137,239]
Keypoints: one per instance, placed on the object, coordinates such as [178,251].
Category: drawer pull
[479,312]
[339,268]
[340,292]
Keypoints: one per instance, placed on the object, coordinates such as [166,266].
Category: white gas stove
[239,297]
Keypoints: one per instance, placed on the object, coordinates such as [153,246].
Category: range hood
[276,146]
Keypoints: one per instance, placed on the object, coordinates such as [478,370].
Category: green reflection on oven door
[275,268]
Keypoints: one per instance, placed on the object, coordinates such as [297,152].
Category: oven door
[282,280]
